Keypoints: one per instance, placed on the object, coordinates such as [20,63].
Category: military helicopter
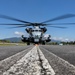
[37,33]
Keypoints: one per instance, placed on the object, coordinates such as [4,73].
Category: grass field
[12,44]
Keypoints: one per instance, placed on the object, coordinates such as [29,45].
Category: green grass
[12,44]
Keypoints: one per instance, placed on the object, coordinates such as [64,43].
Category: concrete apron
[33,63]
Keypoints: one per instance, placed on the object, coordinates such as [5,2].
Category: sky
[38,11]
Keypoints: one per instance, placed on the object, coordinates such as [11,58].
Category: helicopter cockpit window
[36,30]
[32,30]
[39,30]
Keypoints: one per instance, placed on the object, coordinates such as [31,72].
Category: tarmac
[36,60]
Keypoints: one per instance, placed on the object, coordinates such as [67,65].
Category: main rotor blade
[57,27]
[12,24]
[28,24]
[60,24]
[11,18]
[60,17]
[17,27]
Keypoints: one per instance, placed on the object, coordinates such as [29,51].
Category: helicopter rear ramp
[35,61]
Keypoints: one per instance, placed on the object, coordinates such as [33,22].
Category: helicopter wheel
[28,43]
[43,43]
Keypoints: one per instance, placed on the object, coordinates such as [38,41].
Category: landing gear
[28,43]
[43,43]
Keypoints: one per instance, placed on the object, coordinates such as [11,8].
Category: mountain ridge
[18,39]
[13,39]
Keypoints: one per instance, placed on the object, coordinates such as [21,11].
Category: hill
[18,39]
[13,39]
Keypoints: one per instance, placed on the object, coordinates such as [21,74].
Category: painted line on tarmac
[30,64]
[59,65]
[47,69]
[8,62]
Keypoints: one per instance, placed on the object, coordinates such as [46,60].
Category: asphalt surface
[7,51]
[54,55]
[66,52]
[32,63]
[60,58]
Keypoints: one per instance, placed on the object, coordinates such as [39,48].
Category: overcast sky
[38,11]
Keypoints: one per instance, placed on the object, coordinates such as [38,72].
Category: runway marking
[60,66]
[45,65]
[33,63]
[8,62]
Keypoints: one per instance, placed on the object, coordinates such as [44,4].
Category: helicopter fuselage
[36,35]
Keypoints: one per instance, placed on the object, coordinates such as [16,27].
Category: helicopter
[37,33]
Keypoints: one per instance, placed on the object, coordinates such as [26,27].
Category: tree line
[63,43]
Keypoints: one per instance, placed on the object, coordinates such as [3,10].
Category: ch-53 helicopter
[36,34]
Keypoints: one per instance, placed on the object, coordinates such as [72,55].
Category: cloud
[21,33]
